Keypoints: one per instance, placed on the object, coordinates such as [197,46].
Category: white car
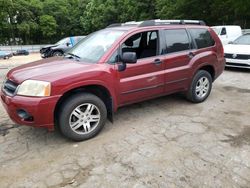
[237,53]
[227,33]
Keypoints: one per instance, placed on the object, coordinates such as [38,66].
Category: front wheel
[57,53]
[82,116]
[201,87]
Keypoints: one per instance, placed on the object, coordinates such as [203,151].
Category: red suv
[120,65]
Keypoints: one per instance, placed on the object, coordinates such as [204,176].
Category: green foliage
[46,21]
[48,25]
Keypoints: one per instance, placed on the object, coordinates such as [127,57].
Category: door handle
[157,61]
[191,55]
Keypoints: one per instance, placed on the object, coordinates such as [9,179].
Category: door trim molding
[142,89]
[175,81]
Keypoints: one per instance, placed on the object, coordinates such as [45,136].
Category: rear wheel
[82,116]
[201,87]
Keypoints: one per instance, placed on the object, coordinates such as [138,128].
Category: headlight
[34,88]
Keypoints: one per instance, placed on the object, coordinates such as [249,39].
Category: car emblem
[234,56]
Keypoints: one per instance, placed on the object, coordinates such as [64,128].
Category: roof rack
[171,22]
[158,22]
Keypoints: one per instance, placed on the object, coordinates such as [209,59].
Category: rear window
[202,38]
[177,40]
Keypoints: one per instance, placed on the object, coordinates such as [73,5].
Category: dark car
[60,47]
[5,55]
[120,65]
[21,52]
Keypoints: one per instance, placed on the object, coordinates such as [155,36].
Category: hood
[237,49]
[50,70]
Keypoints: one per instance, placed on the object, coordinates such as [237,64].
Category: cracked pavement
[165,142]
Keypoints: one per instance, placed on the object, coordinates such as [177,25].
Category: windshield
[244,40]
[217,30]
[93,47]
[63,41]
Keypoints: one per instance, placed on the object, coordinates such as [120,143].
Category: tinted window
[202,38]
[177,40]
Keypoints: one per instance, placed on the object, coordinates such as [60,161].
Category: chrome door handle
[157,61]
[191,55]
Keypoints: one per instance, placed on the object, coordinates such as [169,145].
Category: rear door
[145,79]
[178,54]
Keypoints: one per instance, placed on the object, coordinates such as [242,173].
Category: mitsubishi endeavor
[119,65]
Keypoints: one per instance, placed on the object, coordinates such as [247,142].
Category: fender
[91,83]
[202,59]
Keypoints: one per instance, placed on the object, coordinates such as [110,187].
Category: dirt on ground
[165,142]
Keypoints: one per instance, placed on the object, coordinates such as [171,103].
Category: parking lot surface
[165,142]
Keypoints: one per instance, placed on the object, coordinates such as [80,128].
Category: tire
[201,87]
[78,116]
[57,53]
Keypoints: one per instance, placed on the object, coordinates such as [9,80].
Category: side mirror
[230,42]
[68,44]
[129,57]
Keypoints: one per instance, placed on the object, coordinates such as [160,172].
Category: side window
[177,40]
[223,31]
[144,44]
[114,58]
[202,38]
[132,43]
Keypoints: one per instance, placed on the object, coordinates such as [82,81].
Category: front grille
[10,87]
[238,64]
[237,56]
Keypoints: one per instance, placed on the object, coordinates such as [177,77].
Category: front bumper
[41,110]
[238,63]
[45,53]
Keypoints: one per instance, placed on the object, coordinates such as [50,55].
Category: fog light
[24,115]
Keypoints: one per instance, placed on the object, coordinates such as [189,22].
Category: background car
[5,55]
[21,52]
[227,33]
[60,47]
[237,53]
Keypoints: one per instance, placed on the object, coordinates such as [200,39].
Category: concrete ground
[165,142]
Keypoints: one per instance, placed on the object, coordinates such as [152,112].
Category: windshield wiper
[70,55]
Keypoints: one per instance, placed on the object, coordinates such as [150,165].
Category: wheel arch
[210,69]
[53,50]
[100,91]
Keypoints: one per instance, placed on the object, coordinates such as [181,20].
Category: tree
[166,9]
[36,21]
[48,26]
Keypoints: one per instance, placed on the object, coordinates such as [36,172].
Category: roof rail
[158,22]
[170,22]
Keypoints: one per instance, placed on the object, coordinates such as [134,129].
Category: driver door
[145,79]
